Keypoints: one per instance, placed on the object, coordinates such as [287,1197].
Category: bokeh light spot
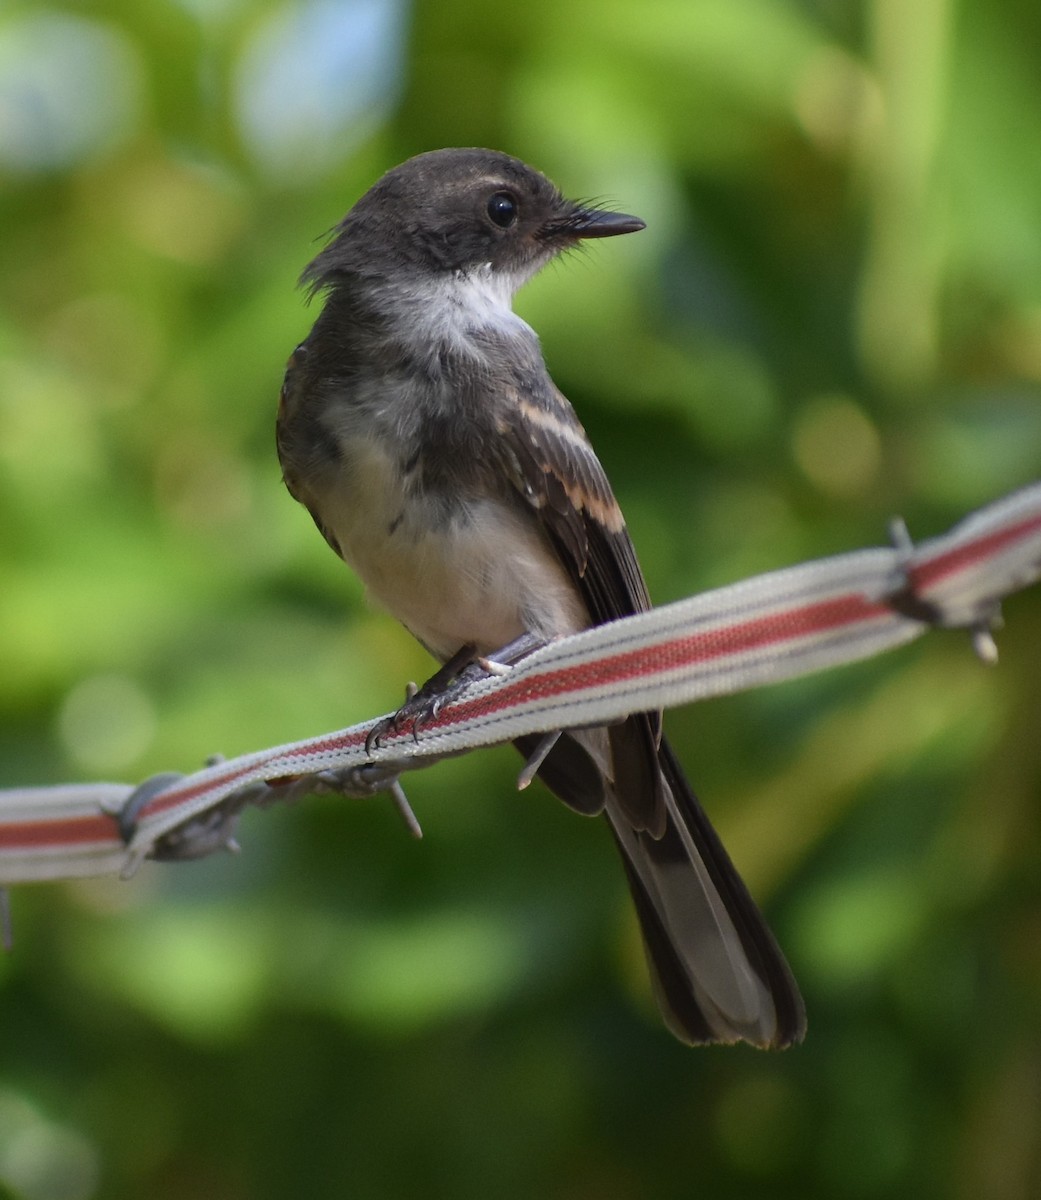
[182,211]
[314,80]
[69,89]
[41,1160]
[106,722]
[836,445]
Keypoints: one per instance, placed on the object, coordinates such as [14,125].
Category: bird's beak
[591,223]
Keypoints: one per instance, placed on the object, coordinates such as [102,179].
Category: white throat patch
[453,309]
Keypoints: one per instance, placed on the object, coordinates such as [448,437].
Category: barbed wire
[762,630]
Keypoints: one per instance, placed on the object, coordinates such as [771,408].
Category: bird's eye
[502,209]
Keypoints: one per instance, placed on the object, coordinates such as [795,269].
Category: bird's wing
[549,461]
[302,442]
[719,974]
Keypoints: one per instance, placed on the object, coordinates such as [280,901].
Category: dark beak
[592,223]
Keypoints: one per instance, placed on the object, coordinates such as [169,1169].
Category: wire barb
[372,779]
[903,597]
[139,798]
[397,793]
[906,599]
[538,757]
[983,643]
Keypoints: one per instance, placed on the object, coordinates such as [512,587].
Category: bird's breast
[452,568]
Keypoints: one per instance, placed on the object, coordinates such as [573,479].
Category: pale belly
[486,577]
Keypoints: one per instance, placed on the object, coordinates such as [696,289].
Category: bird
[419,425]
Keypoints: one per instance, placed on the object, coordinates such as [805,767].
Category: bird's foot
[463,669]
[423,704]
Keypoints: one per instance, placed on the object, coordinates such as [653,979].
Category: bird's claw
[423,705]
[420,708]
[465,667]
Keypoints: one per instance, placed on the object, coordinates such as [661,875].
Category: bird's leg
[463,669]
[424,703]
[444,679]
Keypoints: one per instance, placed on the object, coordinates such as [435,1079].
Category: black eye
[502,208]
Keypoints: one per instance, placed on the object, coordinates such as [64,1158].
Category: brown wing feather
[555,468]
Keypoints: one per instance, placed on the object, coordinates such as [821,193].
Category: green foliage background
[833,316]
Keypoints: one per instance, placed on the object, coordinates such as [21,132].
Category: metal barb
[199,836]
[983,643]
[905,599]
[400,801]
[138,800]
[902,597]
[538,757]
[133,864]
[900,536]
[360,782]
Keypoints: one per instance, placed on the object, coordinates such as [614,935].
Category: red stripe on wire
[930,573]
[69,831]
[760,633]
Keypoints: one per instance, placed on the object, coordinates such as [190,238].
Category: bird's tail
[718,973]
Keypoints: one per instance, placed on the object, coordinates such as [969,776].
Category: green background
[834,316]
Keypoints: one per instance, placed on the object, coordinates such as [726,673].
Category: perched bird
[419,425]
